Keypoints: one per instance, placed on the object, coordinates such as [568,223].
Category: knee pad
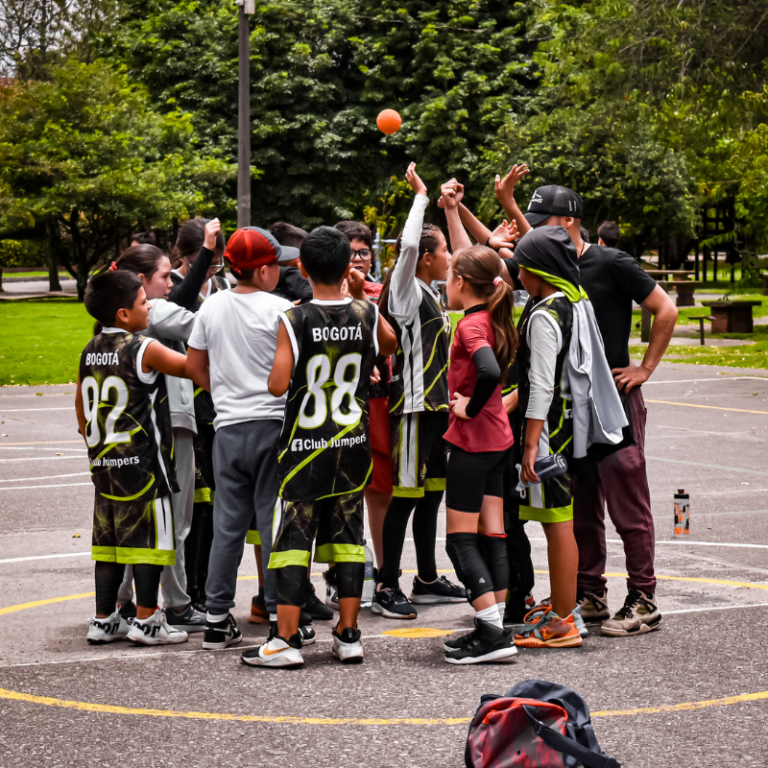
[349,579]
[291,581]
[467,559]
[494,551]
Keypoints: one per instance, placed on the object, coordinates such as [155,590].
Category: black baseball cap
[553,200]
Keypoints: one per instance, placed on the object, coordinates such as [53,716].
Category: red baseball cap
[251,248]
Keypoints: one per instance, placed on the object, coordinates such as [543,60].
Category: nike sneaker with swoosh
[347,647]
[277,653]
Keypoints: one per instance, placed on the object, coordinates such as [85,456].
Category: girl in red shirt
[484,345]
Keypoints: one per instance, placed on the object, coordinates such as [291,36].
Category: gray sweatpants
[174,577]
[245,468]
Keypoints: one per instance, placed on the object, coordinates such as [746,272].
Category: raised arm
[458,235]
[185,294]
[404,293]
[505,194]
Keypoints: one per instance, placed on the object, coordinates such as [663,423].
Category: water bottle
[368,585]
[682,515]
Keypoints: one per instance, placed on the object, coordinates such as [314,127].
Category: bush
[22,253]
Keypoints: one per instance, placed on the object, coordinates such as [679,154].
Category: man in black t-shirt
[612,280]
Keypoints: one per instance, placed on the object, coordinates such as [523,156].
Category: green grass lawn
[41,341]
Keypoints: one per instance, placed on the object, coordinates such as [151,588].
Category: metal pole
[244,123]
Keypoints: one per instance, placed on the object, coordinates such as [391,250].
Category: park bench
[702,319]
[680,280]
[731,316]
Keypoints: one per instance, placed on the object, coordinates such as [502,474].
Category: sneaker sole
[356,659]
[105,641]
[278,663]
[379,611]
[143,641]
[222,646]
[311,641]
[565,642]
[435,599]
[643,629]
[188,629]
[501,653]
[595,621]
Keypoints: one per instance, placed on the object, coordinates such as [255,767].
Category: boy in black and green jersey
[324,360]
[123,415]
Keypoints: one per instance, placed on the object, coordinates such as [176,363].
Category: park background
[121,116]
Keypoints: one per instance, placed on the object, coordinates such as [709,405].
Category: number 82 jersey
[128,421]
[324,446]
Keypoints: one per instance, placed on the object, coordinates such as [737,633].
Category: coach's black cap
[553,201]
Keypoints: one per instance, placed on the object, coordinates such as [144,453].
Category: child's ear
[122,315]
[143,279]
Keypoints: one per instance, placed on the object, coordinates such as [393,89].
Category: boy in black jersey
[123,415]
[324,360]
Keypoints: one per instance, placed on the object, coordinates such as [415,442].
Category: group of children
[289,412]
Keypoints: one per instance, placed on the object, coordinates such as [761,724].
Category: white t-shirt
[239,331]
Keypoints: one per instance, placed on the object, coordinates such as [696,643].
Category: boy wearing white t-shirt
[232,346]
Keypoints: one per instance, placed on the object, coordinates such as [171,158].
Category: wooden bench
[701,320]
[731,316]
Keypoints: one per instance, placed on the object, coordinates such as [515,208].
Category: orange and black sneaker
[259,613]
[549,631]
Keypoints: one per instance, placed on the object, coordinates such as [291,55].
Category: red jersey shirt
[489,430]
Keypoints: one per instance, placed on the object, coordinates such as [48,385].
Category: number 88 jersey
[324,446]
[128,421]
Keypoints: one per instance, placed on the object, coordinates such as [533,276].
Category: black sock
[467,559]
[393,537]
[109,577]
[146,577]
[425,533]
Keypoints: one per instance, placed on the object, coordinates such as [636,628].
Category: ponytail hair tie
[113,267]
[497,280]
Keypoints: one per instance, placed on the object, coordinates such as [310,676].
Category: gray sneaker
[638,615]
[594,606]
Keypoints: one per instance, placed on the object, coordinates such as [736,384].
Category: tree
[86,158]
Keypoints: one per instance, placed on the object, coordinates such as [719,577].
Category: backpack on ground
[534,725]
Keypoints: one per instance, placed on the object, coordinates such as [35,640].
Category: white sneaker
[277,652]
[155,631]
[347,647]
[114,627]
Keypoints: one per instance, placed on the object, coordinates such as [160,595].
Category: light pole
[247,7]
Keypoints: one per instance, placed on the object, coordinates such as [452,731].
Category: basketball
[389,121]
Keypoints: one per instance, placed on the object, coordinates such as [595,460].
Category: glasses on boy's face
[363,254]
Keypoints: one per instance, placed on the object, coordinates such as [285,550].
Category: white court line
[32,487]
[714,608]
[708,466]
[19,410]
[658,541]
[696,381]
[44,477]
[44,557]
[45,458]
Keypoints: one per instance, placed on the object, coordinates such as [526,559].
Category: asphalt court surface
[694,693]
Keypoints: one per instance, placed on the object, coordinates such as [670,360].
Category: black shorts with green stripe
[133,532]
[419,453]
[335,522]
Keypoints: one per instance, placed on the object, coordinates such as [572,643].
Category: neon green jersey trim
[556,515]
[135,495]
[134,556]
[291,557]
[407,493]
[253,537]
[434,484]
[203,495]
[340,553]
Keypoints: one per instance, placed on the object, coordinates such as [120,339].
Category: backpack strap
[569,746]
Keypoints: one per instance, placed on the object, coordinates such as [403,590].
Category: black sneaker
[455,643]
[435,592]
[221,634]
[318,610]
[128,610]
[489,644]
[392,604]
[305,634]
[189,620]
[331,589]
[347,647]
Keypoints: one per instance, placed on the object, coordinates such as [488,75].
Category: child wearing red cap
[232,347]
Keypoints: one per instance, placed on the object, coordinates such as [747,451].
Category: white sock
[215,618]
[273,617]
[491,616]
[501,607]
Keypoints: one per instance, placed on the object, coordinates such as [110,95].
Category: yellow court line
[85,706]
[711,407]
[38,603]
[47,442]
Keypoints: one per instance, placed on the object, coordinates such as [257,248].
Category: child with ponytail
[479,434]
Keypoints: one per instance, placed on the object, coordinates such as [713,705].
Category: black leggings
[197,551]
[424,535]
[109,577]
[471,476]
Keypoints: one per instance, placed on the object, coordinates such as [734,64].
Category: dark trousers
[623,486]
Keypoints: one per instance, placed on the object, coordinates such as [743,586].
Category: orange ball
[389,121]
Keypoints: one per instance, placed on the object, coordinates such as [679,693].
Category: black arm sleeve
[297,285]
[185,293]
[488,375]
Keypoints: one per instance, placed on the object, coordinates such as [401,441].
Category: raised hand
[448,195]
[503,236]
[413,178]
[355,282]
[505,188]
[212,229]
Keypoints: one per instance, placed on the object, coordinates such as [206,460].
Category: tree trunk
[1,279]
[53,271]
[82,281]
